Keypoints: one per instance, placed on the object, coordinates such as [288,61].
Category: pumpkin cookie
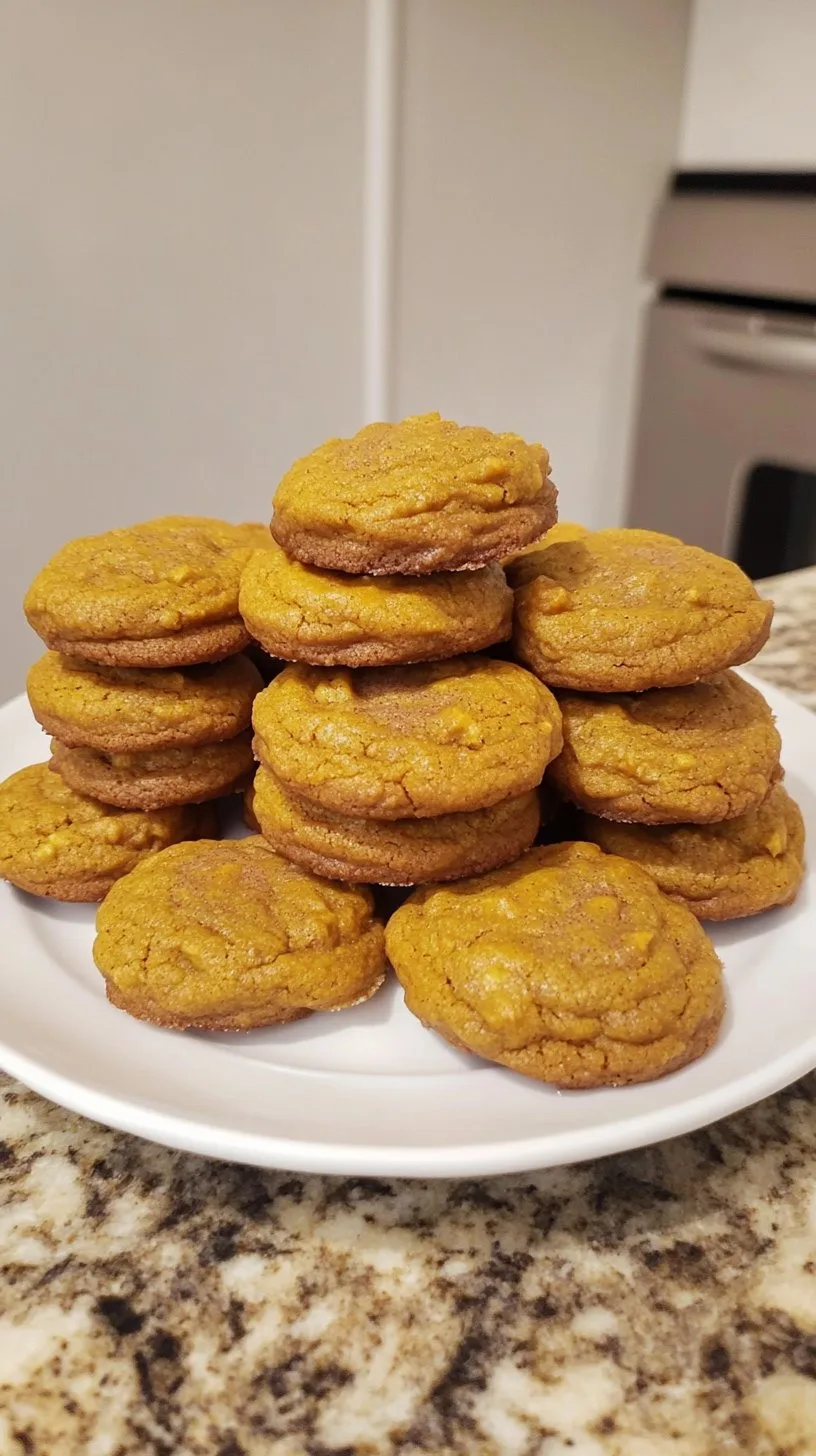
[160,594]
[569,966]
[524,565]
[421,496]
[126,710]
[155,780]
[407,742]
[720,871]
[228,936]
[692,755]
[620,611]
[59,844]
[303,614]
[395,851]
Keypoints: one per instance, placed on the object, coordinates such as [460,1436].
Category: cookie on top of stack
[673,759]
[146,694]
[388,752]
[160,594]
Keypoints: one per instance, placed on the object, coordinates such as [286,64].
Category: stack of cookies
[584,964]
[389,752]
[147,695]
[672,758]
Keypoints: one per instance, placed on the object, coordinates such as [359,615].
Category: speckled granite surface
[789,658]
[661,1303]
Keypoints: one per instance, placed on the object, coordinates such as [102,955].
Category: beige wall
[181,244]
[180,220]
[751,85]
[537,136]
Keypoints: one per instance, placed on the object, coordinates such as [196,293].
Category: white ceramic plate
[370,1091]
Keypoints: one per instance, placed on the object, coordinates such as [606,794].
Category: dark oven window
[777,524]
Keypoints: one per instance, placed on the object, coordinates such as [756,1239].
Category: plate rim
[185,1132]
[493,1159]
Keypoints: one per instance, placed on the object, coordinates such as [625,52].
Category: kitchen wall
[180,242]
[751,90]
[182,214]
[537,137]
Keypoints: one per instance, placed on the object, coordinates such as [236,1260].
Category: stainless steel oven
[725,452]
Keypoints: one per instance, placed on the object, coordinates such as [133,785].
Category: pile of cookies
[148,698]
[573,965]
[672,758]
[386,754]
[454,659]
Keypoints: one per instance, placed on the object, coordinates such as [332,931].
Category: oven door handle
[779,352]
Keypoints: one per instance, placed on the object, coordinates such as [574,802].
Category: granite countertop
[658,1303]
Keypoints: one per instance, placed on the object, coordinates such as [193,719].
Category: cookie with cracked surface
[407,742]
[393,851]
[424,495]
[160,594]
[130,710]
[61,845]
[719,871]
[569,966]
[326,618]
[693,755]
[627,610]
[229,936]
[154,780]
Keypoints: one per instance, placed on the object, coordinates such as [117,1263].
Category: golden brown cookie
[569,966]
[692,755]
[524,565]
[228,936]
[424,495]
[719,871]
[624,610]
[303,614]
[160,594]
[155,780]
[127,710]
[407,742]
[65,846]
[393,851]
